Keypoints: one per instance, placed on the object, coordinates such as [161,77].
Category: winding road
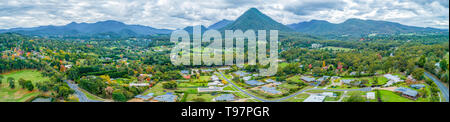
[81,96]
[290,96]
[443,89]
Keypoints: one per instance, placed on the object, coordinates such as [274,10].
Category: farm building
[210,89]
[169,97]
[225,97]
[392,79]
[406,92]
[417,86]
[315,98]
[254,83]
[308,79]
[370,95]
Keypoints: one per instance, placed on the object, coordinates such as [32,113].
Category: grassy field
[18,94]
[159,90]
[389,96]
[206,97]
[298,98]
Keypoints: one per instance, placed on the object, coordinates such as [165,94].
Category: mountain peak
[111,22]
[220,24]
[255,20]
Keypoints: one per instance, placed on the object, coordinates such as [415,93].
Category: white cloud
[173,14]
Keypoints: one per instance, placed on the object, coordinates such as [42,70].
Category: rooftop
[225,97]
[407,91]
[169,97]
[308,79]
[254,83]
[315,98]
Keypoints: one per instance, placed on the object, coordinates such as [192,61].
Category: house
[352,82]
[272,81]
[215,83]
[68,66]
[315,98]
[169,97]
[210,89]
[247,78]
[207,70]
[225,97]
[316,45]
[185,72]
[308,79]
[240,73]
[187,76]
[214,78]
[142,77]
[145,97]
[254,83]
[406,92]
[370,95]
[328,94]
[392,79]
[417,86]
[323,78]
[223,68]
[334,78]
[271,90]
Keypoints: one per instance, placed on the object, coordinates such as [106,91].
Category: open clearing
[20,95]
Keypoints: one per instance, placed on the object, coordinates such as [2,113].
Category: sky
[176,14]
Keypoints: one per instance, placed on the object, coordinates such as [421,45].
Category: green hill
[254,19]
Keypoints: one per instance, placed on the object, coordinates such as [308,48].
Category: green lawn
[389,96]
[181,85]
[298,98]
[206,97]
[18,94]
[159,90]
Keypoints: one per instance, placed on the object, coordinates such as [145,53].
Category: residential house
[417,86]
[370,95]
[254,83]
[225,97]
[315,98]
[406,92]
[210,89]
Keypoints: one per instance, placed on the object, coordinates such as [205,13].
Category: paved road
[290,96]
[81,96]
[444,90]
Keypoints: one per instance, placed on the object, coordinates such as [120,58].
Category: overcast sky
[174,14]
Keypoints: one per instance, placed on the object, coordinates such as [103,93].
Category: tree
[418,73]
[64,91]
[43,86]
[422,61]
[11,83]
[28,85]
[118,95]
[443,65]
[22,82]
[170,85]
